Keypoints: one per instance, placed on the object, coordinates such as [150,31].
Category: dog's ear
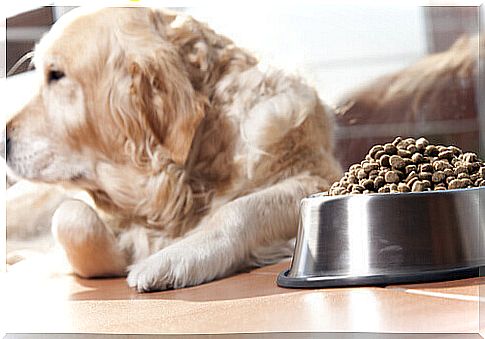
[203,52]
[165,109]
[164,97]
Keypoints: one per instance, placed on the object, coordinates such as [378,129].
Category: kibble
[417,158]
[391,177]
[402,187]
[361,174]
[425,175]
[441,165]
[397,141]
[397,162]
[379,182]
[412,181]
[368,184]
[390,149]
[427,183]
[426,168]
[404,153]
[470,157]
[410,168]
[409,165]
[446,154]
[450,179]
[412,148]
[473,167]
[438,176]
[421,144]
[375,149]
[368,167]
[456,183]
[384,160]
[460,169]
[418,186]
[448,172]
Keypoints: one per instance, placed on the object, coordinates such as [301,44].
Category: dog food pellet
[417,158]
[361,174]
[370,166]
[447,154]
[411,168]
[431,150]
[391,177]
[457,183]
[402,187]
[379,182]
[412,148]
[390,149]
[441,165]
[425,175]
[438,176]
[409,165]
[397,141]
[426,168]
[470,157]
[397,162]
[418,186]
[368,184]
[404,153]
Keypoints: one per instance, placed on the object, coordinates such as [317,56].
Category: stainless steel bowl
[380,239]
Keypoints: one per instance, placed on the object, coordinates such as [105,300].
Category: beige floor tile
[463,287]
[56,302]
[273,269]
[241,286]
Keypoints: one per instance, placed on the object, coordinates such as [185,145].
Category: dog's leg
[29,233]
[90,246]
[228,240]
[41,200]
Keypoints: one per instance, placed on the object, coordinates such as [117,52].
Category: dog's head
[117,86]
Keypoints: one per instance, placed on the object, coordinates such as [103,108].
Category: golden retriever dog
[195,156]
[439,87]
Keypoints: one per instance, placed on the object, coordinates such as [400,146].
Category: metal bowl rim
[396,194]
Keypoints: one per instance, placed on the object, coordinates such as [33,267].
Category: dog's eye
[54,76]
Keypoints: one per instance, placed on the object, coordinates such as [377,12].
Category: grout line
[443,295]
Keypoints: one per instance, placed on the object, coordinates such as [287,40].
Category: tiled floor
[41,299]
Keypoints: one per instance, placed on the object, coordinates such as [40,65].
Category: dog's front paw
[161,271]
[153,273]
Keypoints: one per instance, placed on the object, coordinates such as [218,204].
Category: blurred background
[337,48]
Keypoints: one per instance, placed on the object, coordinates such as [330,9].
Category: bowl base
[377,279]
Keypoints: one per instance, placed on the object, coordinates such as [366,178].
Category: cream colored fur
[195,157]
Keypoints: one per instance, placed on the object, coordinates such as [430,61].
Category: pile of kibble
[409,165]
